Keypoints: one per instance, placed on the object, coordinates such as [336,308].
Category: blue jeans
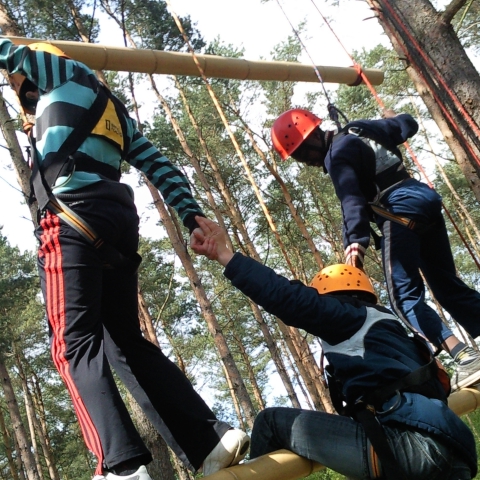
[406,252]
[340,443]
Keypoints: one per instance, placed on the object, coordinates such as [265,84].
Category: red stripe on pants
[51,251]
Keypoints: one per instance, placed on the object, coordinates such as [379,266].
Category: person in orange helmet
[394,422]
[366,167]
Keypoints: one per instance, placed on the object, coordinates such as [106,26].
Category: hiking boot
[467,372]
[230,450]
[140,474]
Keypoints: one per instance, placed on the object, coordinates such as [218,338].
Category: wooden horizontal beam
[102,57]
[465,400]
[279,465]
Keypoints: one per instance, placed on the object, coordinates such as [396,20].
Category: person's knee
[264,417]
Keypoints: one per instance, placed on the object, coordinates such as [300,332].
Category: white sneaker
[98,477]
[140,474]
[230,450]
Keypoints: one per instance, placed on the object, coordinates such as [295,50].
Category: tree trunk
[205,305]
[296,376]
[24,446]
[38,428]
[251,374]
[442,73]
[22,170]
[31,425]
[7,447]
[236,405]
[276,355]
[161,467]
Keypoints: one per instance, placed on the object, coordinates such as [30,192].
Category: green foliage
[152,24]
[396,91]
[49,19]
[18,296]
[467,26]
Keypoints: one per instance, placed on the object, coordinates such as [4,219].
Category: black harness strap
[45,175]
[376,434]
[85,163]
[64,160]
[368,407]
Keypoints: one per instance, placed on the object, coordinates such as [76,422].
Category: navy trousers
[407,252]
[93,319]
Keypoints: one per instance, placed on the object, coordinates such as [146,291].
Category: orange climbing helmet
[341,278]
[291,128]
[48,47]
[22,85]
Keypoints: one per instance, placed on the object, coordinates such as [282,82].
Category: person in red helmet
[393,422]
[367,171]
[88,238]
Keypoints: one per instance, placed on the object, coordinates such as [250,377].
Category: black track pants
[93,319]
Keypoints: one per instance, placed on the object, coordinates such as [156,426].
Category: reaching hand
[354,255]
[211,241]
[196,238]
[388,113]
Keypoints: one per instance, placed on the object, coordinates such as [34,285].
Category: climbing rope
[333,111]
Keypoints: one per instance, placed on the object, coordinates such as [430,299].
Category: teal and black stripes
[67,90]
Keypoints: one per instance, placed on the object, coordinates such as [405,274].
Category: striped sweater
[67,88]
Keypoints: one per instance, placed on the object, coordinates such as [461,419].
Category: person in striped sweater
[91,300]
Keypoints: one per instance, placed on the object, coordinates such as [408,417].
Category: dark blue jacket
[351,163]
[367,346]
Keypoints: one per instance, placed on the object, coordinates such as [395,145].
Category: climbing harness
[97,120]
[368,406]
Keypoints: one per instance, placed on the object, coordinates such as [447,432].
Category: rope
[357,66]
[332,110]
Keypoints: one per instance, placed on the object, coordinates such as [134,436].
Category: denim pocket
[420,455]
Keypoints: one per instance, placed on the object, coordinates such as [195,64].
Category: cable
[332,110]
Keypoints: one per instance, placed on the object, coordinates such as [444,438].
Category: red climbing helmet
[291,128]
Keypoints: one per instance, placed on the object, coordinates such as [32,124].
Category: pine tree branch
[452,9]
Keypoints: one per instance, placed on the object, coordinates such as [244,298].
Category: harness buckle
[394,406]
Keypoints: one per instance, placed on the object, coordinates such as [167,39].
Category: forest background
[281,213]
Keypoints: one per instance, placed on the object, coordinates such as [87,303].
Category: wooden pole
[102,57]
[279,465]
[465,400]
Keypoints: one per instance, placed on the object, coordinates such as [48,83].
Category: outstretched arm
[211,241]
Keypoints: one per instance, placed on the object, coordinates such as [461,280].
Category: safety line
[319,76]
[357,66]
[333,111]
